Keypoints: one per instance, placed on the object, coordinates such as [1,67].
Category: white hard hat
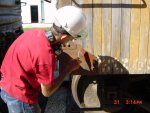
[73,20]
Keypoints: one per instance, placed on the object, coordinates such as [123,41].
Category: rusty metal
[90,66]
[143,4]
[116,89]
[84,91]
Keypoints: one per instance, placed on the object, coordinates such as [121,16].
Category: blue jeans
[16,106]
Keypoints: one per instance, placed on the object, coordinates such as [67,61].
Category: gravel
[57,102]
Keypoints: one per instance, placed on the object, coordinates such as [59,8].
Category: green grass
[25,29]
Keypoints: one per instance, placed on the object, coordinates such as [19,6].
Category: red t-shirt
[28,62]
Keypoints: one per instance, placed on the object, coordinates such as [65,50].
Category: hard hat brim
[82,35]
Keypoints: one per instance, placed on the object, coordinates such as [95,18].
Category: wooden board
[143,45]
[148,50]
[88,10]
[62,3]
[125,33]
[106,27]
[89,15]
[97,28]
[116,30]
[134,37]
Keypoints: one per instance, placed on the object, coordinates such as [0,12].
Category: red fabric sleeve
[45,72]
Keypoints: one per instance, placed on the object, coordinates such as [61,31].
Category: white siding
[49,11]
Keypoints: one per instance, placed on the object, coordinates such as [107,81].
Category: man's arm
[48,90]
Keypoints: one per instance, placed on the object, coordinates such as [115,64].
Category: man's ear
[63,36]
[58,36]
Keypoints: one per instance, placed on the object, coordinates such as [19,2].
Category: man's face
[62,39]
[66,39]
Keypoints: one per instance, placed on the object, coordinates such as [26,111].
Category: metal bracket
[49,1]
[108,5]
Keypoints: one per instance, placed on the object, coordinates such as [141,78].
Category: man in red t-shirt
[29,63]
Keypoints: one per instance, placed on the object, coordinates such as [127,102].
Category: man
[29,63]
[10,29]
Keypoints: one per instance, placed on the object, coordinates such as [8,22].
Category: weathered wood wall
[118,28]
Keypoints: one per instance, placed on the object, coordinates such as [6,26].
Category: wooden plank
[143,45]
[134,38]
[88,42]
[97,28]
[148,57]
[62,3]
[148,54]
[80,42]
[125,33]
[106,28]
[116,27]
[86,6]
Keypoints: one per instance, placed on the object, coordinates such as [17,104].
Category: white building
[38,13]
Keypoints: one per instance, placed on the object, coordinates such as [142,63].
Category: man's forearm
[59,80]
[49,90]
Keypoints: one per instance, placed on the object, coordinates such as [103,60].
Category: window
[34,14]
